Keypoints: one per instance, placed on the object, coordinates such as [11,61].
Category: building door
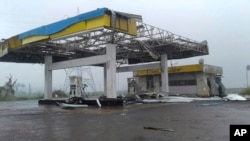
[209,86]
[150,82]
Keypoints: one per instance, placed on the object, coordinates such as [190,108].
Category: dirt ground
[190,121]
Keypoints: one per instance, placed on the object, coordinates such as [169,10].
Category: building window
[182,82]
[150,82]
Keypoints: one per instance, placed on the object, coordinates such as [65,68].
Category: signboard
[177,69]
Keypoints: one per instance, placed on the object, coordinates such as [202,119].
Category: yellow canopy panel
[84,22]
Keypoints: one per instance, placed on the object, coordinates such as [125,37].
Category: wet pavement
[27,121]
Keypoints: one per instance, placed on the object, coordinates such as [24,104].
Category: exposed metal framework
[147,46]
[84,72]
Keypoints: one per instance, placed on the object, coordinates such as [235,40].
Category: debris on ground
[189,99]
[161,129]
[150,98]
[98,102]
[235,97]
[164,98]
[71,106]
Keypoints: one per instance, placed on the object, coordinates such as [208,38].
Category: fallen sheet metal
[151,98]
[161,129]
[98,103]
[66,106]
[235,97]
[165,100]
[194,98]
[154,100]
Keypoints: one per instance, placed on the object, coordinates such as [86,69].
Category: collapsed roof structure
[100,37]
[86,34]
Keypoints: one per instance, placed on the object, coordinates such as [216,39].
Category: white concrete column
[105,78]
[47,78]
[110,72]
[164,73]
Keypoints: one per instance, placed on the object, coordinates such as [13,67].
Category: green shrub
[245,91]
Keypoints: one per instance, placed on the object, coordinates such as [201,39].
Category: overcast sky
[225,24]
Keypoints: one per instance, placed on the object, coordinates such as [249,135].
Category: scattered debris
[154,101]
[98,103]
[235,97]
[169,100]
[144,98]
[163,98]
[179,100]
[161,129]
[195,98]
[66,106]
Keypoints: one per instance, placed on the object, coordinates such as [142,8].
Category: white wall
[183,89]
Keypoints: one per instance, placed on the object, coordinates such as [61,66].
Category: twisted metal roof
[145,45]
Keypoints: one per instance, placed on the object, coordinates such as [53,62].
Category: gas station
[102,37]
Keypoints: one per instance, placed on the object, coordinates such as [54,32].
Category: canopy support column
[48,77]
[164,73]
[110,71]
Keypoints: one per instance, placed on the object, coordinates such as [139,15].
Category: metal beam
[101,59]
[139,67]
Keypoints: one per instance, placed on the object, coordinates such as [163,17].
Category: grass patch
[245,91]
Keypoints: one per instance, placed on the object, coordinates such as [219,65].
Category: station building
[196,79]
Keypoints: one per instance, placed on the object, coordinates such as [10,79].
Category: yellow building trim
[102,21]
[33,39]
[14,42]
[177,69]
[186,68]
[154,71]
[3,48]
[127,26]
